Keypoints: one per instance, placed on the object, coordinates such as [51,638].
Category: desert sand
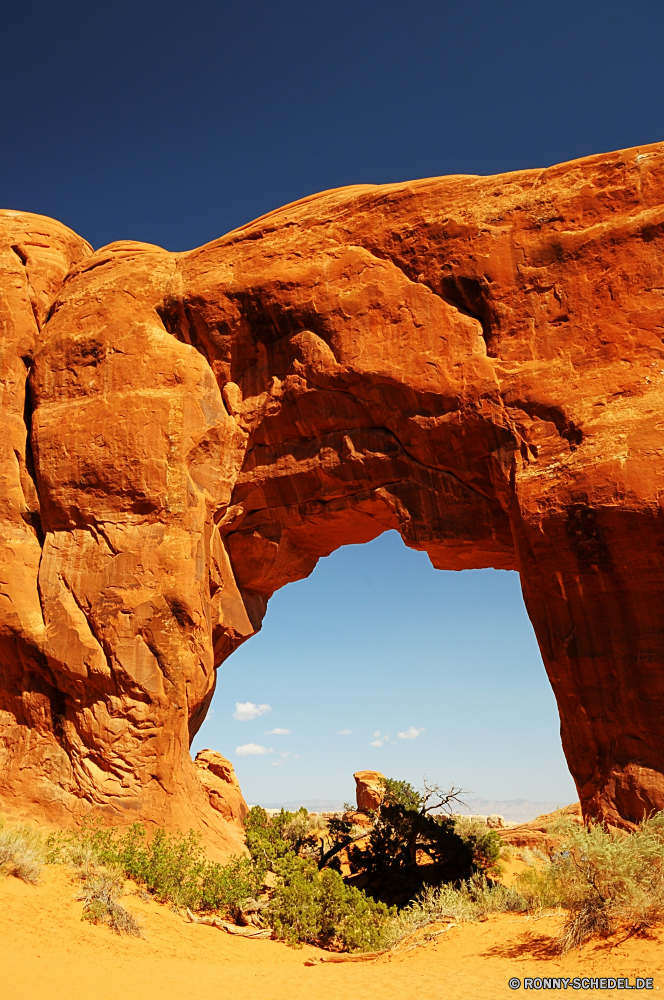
[48,953]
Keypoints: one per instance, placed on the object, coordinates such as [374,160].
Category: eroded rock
[369,790]
[475,362]
[220,781]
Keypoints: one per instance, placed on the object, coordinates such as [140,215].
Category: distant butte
[477,362]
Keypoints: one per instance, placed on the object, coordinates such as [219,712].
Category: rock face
[541,832]
[475,362]
[220,782]
[369,790]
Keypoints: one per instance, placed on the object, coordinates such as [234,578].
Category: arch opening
[379,661]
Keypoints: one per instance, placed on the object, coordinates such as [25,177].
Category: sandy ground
[48,953]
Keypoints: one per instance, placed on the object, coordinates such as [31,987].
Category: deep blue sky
[175,122]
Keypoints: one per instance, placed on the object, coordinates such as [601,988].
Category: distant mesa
[476,362]
[311,805]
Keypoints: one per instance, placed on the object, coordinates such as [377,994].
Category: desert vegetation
[345,886]
[21,852]
[413,842]
[100,892]
[603,879]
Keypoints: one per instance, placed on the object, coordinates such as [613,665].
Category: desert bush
[271,837]
[387,858]
[172,867]
[473,899]
[563,826]
[485,843]
[21,852]
[407,825]
[531,855]
[402,793]
[389,853]
[100,893]
[308,905]
[603,878]
[316,823]
[317,907]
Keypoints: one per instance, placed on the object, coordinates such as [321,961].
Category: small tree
[385,858]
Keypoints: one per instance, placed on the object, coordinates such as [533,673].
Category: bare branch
[445,798]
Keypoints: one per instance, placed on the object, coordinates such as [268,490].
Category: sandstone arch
[477,362]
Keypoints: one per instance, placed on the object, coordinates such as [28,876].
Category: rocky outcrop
[218,777]
[547,831]
[369,790]
[475,362]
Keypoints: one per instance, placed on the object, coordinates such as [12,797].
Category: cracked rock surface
[477,362]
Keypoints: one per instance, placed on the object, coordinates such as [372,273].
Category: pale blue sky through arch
[378,642]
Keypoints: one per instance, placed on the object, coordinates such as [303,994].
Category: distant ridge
[312,805]
[515,810]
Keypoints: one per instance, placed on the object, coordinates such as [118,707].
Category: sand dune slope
[48,953]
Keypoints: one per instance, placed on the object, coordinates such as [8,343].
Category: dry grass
[604,879]
[100,892]
[562,826]
[21,852]
[531,855]
[473,900]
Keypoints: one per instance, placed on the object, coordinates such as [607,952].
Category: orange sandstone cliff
[477,362]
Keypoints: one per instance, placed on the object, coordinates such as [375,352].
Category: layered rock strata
[476,362]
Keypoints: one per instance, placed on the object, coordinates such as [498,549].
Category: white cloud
[410,734]
[378,740]
[284,754]
[278,732]
[245,710]
[252,749]
[344,732]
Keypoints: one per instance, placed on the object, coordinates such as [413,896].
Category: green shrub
[397,835]
[271,837]
[319,908]
[173,867]
[402,793]
[486,845]
[309,905]
[562,826]
[406,825]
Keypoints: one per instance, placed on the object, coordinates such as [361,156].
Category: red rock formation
[220,782]
[545,831]
[369,790]
[476,362]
